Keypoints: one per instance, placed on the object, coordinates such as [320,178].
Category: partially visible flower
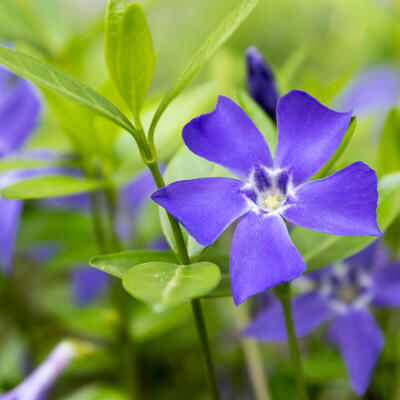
[38,383]
[341,294]
[374,90]
[262,254]
[261,82]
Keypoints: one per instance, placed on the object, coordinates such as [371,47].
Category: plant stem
[282,292]
[205,349]
[197,311]
[258,377]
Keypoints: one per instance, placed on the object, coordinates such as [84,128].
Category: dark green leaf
[164,285]
[118,264]
[49,186]
[52,78]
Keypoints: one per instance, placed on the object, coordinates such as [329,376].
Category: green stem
[282,292]
[183,257]
[251,351]
[205,349]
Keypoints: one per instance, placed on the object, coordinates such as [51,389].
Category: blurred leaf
[224,286]
[129,52]
[118,264]
[259,117]
[213,42]
[320,249]
[49,186]
[43,74]
[339,151]
[285,74]
[389,145]
[186,165]
[164,285]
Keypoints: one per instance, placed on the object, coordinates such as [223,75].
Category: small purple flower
[261,82]
[37,384]
[262,254]
[341,294]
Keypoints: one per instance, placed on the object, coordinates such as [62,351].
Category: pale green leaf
[52,78]
[164,285]
[118,264]
[49,186]
[213,42]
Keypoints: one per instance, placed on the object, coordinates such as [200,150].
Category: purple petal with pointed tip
[309,311]
[360,342]
[262,255]
[228,137]
[386,286]
[341,204]
[308,134]
[261,82]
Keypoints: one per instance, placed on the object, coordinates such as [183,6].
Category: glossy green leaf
[213,42]
[164,285]
[49,186]
[259,117]
[186,165]
[389,145]
[52,78]
[320,249]
[129,52]
[118,264]
[324,171]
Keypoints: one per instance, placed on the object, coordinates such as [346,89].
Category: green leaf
[223,289]
[339,151]
[164,285]
[389,145]
[213,42]
[259,117]
[186,165]
[118,264]
[49,186]
[129,52]
[320,250]
[43,74]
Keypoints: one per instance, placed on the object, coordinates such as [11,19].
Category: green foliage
[259,117]
[118,264]
[324,171]
[49,186]
[129,52]
[52,78]
[389,145]
[320,249]
[164,285]
[213,42]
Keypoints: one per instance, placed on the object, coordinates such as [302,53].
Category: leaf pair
[129,52]
[160,282]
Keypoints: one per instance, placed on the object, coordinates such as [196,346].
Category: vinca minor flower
[261,82]
[38,383]
[341,294]
[271,188]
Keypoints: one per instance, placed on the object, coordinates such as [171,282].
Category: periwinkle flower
[341,294]
[38,383]
[261,82]
[269,189]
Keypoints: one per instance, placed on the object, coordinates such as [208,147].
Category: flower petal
[360,342]
[308,134]
[262,255]
[386,286]
[205,206]
[341,204]
[309,311]
[228,137]
[261,82]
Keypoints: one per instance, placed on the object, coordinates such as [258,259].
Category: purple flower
[37,384]
[262,254]
[341,294]
[261,82]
